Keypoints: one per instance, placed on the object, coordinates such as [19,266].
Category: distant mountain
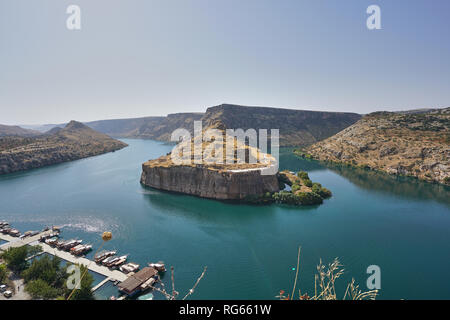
[156,128]
[16,131]
[74,141]
[124,128]
[297,127]
[408,143]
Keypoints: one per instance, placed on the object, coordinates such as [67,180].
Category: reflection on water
[405,187]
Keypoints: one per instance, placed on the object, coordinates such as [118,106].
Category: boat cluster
[111,260]
[74,246]
[5,228]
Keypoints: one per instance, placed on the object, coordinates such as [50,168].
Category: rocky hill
[73,142]
[297,127]
[16,131]
[403,143]
[156,128]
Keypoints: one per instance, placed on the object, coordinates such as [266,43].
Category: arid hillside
[404,143]
[297,127]
[73,142]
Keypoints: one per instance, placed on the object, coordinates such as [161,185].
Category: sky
[135,58]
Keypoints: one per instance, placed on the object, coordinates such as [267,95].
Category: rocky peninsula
[233,181]
[257,183]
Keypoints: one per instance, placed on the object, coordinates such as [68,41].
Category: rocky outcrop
[407,143]
[75,141]
[208,183]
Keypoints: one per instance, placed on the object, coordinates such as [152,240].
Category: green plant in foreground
[324,285]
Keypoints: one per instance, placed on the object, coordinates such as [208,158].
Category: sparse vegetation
[325,285]
[303,191]
[402,144]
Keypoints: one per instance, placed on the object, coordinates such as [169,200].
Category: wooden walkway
[101,284]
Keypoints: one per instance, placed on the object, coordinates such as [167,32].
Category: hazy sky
[139,58]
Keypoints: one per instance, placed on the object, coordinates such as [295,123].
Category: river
[401,225]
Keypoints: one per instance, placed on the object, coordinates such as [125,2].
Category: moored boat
[5,230]
[129,267]
[119,262]
[160,266]
[148,296]
[14,232]
[51,241]
[80,249]
[70,244]
[99,257]
[109,259]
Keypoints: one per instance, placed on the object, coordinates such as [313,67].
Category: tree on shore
[85,291]
[3,272]
[16,258]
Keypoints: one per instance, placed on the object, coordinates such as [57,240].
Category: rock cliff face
[409,143]
[218,175]
[209,183]
[297,127]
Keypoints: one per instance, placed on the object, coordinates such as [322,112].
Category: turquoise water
[401,225]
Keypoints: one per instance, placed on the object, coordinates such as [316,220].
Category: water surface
[401,225]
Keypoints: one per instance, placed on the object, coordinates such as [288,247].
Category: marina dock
[91,265]
[13,242]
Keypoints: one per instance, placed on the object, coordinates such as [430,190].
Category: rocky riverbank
[410,144]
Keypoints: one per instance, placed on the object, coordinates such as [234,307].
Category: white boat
[160,266]
[80,249]
[51,241]
[103,255]
[71,244]
[121,260]
[108,260]
[14,232]
[129,267]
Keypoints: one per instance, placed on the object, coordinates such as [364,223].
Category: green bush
[39,289]
[3,272]
[316,187]
[325,193]
[295,188]
[309,198]
[16,258]
[46,269]
[307,183]
[85,291]
[303,175]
